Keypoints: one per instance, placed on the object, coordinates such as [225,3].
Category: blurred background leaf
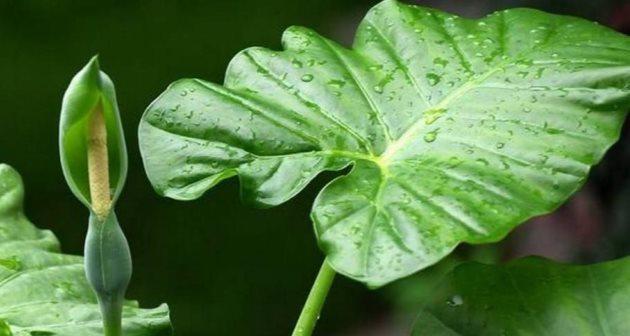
[190,254]
[530,296]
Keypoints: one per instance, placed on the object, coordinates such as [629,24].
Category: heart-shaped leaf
[531,296]
[458,130]
[44,292]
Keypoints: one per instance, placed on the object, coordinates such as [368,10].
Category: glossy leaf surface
[457,130]
[89,90]
[531,296]
[44,292]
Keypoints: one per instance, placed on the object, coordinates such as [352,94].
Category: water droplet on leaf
[455,301]
[433,79]
[296,63]
[431,136]
[440,61]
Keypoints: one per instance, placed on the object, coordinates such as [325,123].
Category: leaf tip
[94,61]
[92,71]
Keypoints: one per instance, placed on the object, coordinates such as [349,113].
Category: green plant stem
[315,301]
[111,308]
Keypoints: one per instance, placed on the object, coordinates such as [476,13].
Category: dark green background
[224,268]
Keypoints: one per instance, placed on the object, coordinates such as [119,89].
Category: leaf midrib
[410,134]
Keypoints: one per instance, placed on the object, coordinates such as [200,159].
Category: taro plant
[94,162]
[44,292]
[456,131]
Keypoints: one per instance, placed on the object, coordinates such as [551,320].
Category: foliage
[531,296]
[45,292]
[457,130]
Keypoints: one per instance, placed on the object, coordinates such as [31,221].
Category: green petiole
[315,301]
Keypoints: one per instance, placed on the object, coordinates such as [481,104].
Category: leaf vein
[600,316]
[449,37]
[258,110]
[329,116]
[427,200]
[364,92]
[389,46]
[33,270]
[541,328]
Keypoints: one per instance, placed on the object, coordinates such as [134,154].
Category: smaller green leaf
[531,296]
[45,292]
[90,89]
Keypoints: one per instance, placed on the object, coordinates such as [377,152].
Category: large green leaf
[44,292]
[531,296]
[457,130]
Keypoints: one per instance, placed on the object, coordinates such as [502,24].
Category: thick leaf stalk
[315,301]
[94,161]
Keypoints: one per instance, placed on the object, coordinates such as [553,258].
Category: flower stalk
[94,162]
